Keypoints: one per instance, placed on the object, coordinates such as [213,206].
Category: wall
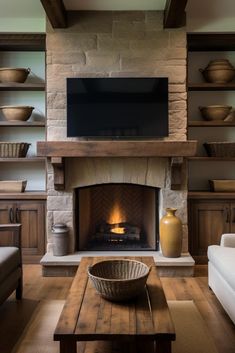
[114,44]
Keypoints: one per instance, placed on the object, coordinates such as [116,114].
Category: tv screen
[117,107]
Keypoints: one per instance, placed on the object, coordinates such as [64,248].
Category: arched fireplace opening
[117,216]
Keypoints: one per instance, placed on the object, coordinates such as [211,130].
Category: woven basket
[13,149]
[119,280]
[220,149]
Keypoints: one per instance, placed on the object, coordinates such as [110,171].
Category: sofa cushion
[223,259]
[9,260]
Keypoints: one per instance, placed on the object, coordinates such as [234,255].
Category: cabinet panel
[6,211]
[232,229]
[207,221]
[31,214]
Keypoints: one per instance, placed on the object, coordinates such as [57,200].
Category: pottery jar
[171,234]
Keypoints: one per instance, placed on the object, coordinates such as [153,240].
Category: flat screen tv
[117,107]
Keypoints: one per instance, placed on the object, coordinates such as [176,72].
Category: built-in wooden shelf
[206,159]
[22,86]
[202,123]
[216,41]
[23,160]
[23,123]
[22,41]
[211,86]
[27,195]
[210,195]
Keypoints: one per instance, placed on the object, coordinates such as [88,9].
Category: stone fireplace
[114,44]
[114,217]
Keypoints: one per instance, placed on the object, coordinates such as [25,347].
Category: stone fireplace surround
[114,44]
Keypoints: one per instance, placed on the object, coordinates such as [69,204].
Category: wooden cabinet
[31,214]
[208,220]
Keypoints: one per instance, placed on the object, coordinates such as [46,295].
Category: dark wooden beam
[174,13]
[56,13]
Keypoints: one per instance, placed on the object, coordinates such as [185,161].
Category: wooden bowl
[18,75]
[215,112]
[218,75]
[16,113]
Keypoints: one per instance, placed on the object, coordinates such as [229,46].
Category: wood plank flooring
[14,316]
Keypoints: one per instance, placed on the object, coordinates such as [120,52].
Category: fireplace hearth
[117,217]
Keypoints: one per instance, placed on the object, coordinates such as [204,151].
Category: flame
[116,215]
[118,230]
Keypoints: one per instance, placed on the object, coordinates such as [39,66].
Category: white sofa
[221,272]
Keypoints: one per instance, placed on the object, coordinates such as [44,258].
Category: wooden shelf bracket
[59,172]
[176,172]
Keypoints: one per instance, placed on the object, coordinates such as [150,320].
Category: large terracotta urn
[171,234]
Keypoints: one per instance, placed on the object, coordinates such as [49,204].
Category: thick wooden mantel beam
[147,148]
[56,13]
[174,13]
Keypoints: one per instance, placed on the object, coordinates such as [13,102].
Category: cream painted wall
[22,16]
[210,16]
[23,24]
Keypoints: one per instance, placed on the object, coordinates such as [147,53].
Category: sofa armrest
[15,231]
[228,240]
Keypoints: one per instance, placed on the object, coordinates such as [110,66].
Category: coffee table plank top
[87,317]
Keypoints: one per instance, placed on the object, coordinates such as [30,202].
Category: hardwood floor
[15,315]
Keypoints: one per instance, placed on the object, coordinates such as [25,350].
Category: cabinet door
[232,218]
[6,216]
[207,221]
[31,214]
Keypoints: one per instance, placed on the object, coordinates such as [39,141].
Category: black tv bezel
[119,137]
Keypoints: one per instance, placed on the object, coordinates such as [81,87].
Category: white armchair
[228,239]
[221,274]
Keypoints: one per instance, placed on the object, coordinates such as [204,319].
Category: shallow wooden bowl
[18,75]
[215,112]
[16,113]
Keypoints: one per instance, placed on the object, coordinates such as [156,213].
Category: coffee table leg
[163,346]
[68,346]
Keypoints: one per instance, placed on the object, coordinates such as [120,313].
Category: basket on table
[220,149]
[13,149]
[119,280]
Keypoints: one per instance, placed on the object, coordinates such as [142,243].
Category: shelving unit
[22,86]
[24,50]
[210,213]
[28,208]
[23,123]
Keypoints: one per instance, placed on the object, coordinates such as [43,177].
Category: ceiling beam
[174,13]
[56,12]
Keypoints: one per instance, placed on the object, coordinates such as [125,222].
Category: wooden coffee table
[91,324]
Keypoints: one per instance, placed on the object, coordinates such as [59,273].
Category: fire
[116,215]
[118,230]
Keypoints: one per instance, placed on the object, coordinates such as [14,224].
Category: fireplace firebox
[117,217]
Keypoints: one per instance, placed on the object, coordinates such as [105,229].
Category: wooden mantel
[58,150]
[116,148]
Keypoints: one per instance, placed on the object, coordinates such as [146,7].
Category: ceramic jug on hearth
[171,234]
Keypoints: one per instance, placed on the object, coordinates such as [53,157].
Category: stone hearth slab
[182,266]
